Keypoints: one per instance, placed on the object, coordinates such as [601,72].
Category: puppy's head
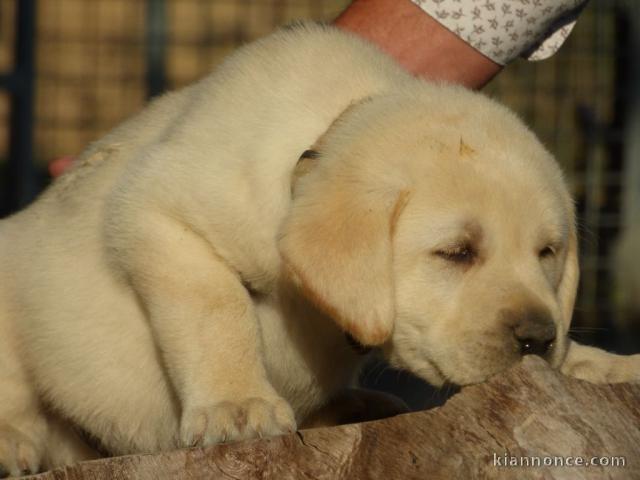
[435,225]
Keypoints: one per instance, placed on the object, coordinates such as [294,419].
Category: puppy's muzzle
[533,330]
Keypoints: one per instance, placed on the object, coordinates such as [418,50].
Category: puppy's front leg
[598,366]
[204,323]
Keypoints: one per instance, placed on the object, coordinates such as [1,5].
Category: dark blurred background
[72,69]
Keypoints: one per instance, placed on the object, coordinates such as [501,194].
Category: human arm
[418,42]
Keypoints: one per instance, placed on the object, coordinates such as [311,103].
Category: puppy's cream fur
[170,289]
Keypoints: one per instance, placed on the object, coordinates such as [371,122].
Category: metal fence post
[21,173]
[156,33]
[631,200]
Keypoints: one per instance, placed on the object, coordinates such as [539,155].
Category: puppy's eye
[547,252]
[462,254]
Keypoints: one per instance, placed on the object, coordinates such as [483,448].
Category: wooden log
[530,411]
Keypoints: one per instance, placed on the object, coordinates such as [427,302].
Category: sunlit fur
[169,290]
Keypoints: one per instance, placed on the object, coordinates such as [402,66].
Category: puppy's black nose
[535,332]
[533,346]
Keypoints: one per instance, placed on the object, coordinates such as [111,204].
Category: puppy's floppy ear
[568,287]
[336,245]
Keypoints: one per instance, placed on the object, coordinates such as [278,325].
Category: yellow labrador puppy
[190,281]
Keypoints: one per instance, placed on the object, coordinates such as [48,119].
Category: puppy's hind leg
[23,427]
[64,445]
[31,440]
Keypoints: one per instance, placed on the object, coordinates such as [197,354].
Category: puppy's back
[217,155]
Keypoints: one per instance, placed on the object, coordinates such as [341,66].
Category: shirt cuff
[505,29]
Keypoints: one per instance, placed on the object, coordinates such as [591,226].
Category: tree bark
[530,410]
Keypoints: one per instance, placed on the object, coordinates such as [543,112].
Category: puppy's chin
[476,366]
[419,365]
[478,370]
[455,371]
[470,376]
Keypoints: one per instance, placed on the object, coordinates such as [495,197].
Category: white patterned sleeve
[505,29]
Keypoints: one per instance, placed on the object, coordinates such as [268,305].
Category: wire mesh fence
[93,70]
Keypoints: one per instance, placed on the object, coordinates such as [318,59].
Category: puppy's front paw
[19,455]
[230,421]
[598,366]
[627,370]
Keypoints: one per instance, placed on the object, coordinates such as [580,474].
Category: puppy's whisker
[385,367]
[370,370]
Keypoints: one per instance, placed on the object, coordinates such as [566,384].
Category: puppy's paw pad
[229,421]
[19,455]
